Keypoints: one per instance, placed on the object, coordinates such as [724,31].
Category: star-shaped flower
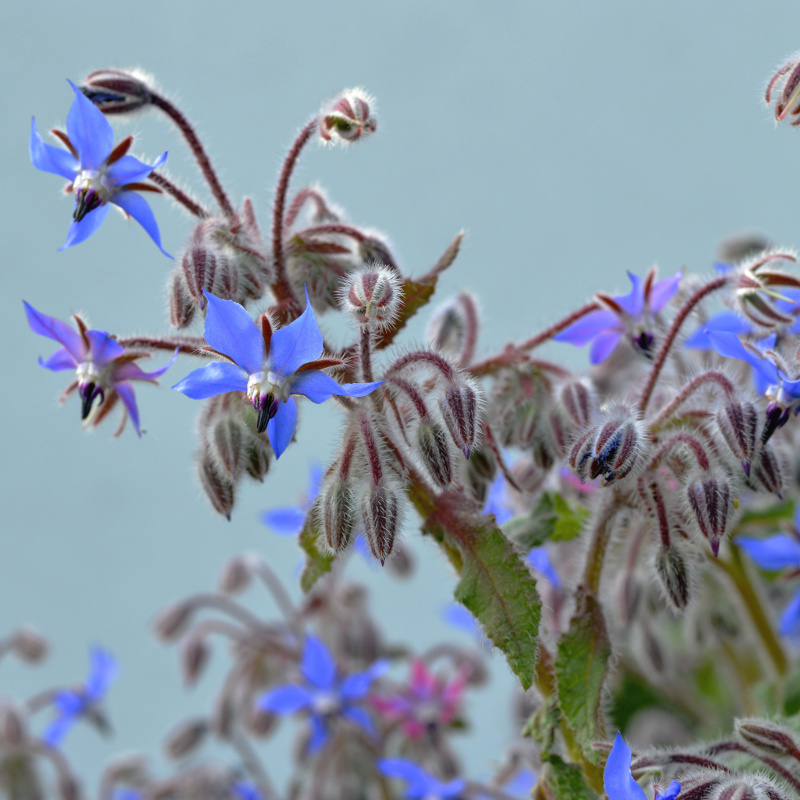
[271,366]
[618,781]
[630,315]
[82,702]
[322,694]
[421,785]
[103,367]
[98,172]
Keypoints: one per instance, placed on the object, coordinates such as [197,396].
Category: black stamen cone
[266,411]
[88,394]
[85,201]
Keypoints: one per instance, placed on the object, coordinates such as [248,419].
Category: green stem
[601,533]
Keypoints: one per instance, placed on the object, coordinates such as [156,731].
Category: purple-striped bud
[783,92]
[173,621]
[236,575]
[371,296]
[257,454]
[182,307]
[578,400]
[226,445]
[433,450]
[194,655]
[768,737]
[260,723]
[767,471]
[460,410]
[454,328]
[609,450]
[758,287]
[711,501]
[116,92]
[336,513]
[747,787]
[205,267]
[185,738]
[218,487]
[481,469]
[348,117]
[738,423]
[382,511]
[674,577]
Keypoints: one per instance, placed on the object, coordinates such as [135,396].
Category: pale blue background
[571,140]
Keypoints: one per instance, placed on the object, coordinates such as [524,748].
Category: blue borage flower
[271,366]
[618,781]
[289,520]
[624,314]
[322,695]
[98,172]
[72,704]
[102,366]
[779,552]
[420,785]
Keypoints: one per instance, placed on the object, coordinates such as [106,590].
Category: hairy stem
[183,199]
[711,377]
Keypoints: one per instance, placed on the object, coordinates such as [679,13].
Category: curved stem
[185,344]
[203,161]
[680,318]
[345,230]
[192,206]
[696,383]
[549,333]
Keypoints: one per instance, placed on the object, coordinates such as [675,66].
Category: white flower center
[88,372]
[326,703]
[266,382]
[96,179]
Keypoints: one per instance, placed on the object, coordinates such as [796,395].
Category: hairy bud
[768,737]
[738,424]
[758,287]
[219,488]
[372,248]
[481,469]
[783,92]
[236,575]
[579,400]
[371,296]
[381,512]
[185,738]
[29,645]
[433,449]
[748,787]
[194,657]
[207,267]
[711,501]
[182,307]
[348,118]
[673,571]
[173,621]
[226,445]
[337,513]
[116,92]
[257,454]
[767,471]
[454,328]
[460,410]
[610,449]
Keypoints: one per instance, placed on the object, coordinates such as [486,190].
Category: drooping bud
[227,445]
[337,512]
[610,449]
[207,267]
[116,92]
[348,118]
[371,296]
[173,620]
[257,454]
[185,738]
[382,510]
[748,787]
[182,307]
[194,657]
[219,488]
[460,410]
[433,449]
[236,575]
[758,287]
[453,330]
[711,501]
[373,248]
[672,569]
[579,400]
[29,645]
[481,469]
[738,424]
[767,471]
[783,92]
[768,737]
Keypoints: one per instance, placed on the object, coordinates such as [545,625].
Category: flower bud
[454,328]
[783,92]
[226,445]
[747,787]
[711,501]
[401,564]
[610,450]
[768,737]
[207,267]
[194,657]
[433,449]
[223,716]
[173,621]
[236,575]
[13,731]
[673,571]
[738,424]
[460,410]
[382,513]
[260,723]
[29,645]
[758,287]
[578,399]
[372,248]
[767,471]
[116,92]
[185,738]
[347,117]
[371,296]
[182,307]
[481,469]
[337,515]
[219,488]
[257,454]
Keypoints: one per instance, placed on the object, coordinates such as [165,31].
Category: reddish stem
[696,383]
[345,230]
[299,201]
[549,333]
[171,189]
[365,352]
[681,438]
[425,356]
[470,328]
[203,161]
[185,344]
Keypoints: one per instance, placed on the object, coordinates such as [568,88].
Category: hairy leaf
[552,519]
[318,562]
[561,781]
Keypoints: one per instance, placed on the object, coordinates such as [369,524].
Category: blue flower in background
[618,781]
[288,520]
[420,785]
[270,367]
[246,791]
[72,704]
[625,314]
[98,172]
[322,695]
[724,322]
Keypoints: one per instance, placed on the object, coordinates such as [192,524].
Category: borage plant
[621,535]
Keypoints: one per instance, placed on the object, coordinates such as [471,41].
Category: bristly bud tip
[348,117]
[371,296]
[116,91]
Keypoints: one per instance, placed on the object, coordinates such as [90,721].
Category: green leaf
[581,669]
[417,294]
[552,519]
[564,781]
[318,563]
[569,521]
[494,583]
[791,690]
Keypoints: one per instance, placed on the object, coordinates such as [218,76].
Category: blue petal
[60,360]
[128,397]
[792,388]
[496,501]
[522,783]
[775,553]
[729,346]
[216,378]
[102,347]
[664,291]
[456,615]
[103,672]
[129,169]
[726,321]
[70,703]
[51,159]
[80,231]
[319,734]
[280,428]
[360,718]
[140,210]
[57,730]
[55,329]
[354,686]
[296,344]
[89,131]
[452,789]
[603,345]
[285,521]
[633,302]
[540,561]
[790,619]
[318,387]
[419,782]
[617,779]
[285,699]
[231,330]
[245,791]
[357,389]
[318,665]
[586,328]
[315,483]
[672,792]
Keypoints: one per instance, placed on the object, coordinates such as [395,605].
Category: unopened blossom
[618,781]
[270,366]
[72,704]
[102,366]
[98,172]
[629,315]
[419,784]
[322,695]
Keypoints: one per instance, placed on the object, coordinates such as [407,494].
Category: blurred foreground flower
[618,781]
